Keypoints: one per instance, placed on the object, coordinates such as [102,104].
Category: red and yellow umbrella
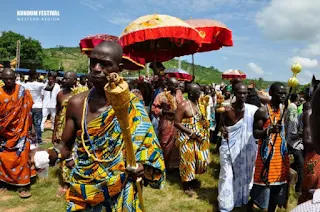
[214,34]
[160,38]
[233,74]
[130,62]
[179,74]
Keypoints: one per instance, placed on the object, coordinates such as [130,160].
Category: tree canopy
[31,53]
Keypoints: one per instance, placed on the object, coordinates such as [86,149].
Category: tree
[30,49]
[4,54]
[260,83]
[81,66]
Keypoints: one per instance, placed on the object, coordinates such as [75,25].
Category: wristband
[69,159]
[198,134]
[59,156]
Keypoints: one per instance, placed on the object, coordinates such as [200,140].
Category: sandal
[24,193]
[189,192]
[3,190]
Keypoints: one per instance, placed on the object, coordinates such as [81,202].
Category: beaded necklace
[84,130]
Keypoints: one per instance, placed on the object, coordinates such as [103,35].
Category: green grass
[171,198]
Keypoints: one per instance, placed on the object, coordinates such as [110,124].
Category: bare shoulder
[78,99]
[261,113]
[60,96]
[60,93]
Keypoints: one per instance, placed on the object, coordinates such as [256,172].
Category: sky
[269,35]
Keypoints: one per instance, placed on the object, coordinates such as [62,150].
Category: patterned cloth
[311,176]
[96,185]
[277,173]
[62,113]
[310,206]
[195,155]
[237,162]
[166,128]
[60,127]
[292,127]
[15,123]
[279,164]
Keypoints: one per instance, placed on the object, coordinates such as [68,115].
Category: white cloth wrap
[41,159]
[239,161]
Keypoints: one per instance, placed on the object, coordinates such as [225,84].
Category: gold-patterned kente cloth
[61,124]
[194,154]
[99,181]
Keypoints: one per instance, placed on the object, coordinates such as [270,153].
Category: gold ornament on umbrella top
[293,81]
[118,95]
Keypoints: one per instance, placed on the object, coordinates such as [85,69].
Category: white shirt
[311,205]
[35,89]
[50,97]
[20,83]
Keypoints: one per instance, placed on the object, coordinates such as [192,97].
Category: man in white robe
[237,152]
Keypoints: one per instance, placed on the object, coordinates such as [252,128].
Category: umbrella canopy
[160,38]
[233,74]
[215,34]
[178,73]
[130,62]
[88,43]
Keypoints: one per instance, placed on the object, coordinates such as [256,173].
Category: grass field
[171,198]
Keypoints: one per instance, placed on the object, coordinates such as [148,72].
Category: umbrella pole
[193,77]
[147,70]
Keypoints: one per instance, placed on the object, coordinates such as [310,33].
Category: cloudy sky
[269,35]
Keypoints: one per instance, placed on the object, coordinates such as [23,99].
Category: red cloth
[167,130]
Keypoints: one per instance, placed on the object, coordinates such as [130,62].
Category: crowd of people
[172,123]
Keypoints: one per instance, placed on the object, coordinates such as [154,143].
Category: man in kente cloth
[271,176]
[99,179]
[69,82]
[237,152]
[192,139]
[164,107]
[15,123]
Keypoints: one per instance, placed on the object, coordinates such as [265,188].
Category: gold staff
[118,95]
